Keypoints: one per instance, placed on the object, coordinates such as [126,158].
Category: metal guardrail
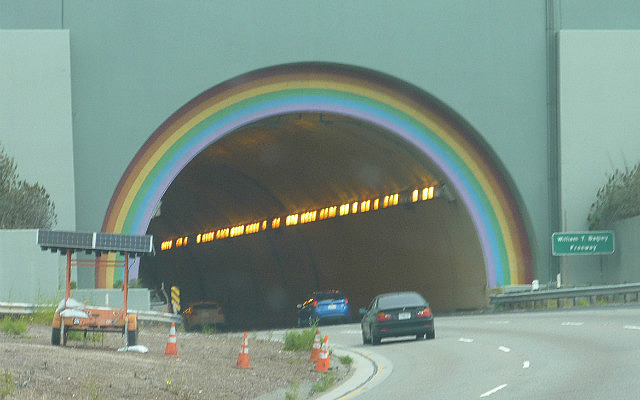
[591,292]
[16,308]
[152,316]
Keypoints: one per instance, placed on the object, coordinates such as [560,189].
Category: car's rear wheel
[374,339]
[431,335]
[364,338]
[420,336]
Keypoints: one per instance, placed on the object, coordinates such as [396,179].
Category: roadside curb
[370,369]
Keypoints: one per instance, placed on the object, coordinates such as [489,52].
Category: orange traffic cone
[172,349]
[243,357]
[315,350]
[323,363]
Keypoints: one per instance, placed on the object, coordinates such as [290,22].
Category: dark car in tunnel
[204,315]
[324,307]
[397,314]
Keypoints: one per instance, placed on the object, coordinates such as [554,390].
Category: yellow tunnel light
[252,228]
[222,233]
[332,211]
[427,193]
[264,225]
[344,209]
[166,245]
[198,238]
[275,223]
[394,200]
[385,202]
[365,206]
[376,204]
[309,216]
[292,220]
[208,237]
[414,196]
[354,207]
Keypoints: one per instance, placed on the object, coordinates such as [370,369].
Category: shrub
[346,360]
[43,314]
[13,326]
[300,341]
[325,383]
[7,385]
[617,199]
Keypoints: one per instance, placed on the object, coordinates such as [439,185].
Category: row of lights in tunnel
[427,193]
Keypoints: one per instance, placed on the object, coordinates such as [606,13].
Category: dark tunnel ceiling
[289,163]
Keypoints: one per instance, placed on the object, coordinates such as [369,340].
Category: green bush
[13,326]
[7,385]
[346,360]
[617,199]
[325,383]
[300,341]
[43,314]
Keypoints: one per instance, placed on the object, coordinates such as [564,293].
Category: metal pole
[125,287]
[67,291]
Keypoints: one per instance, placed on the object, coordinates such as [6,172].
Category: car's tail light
[315,303]
[346,301]
[426,313]
[383,317]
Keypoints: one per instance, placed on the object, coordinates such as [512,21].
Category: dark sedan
[397,314]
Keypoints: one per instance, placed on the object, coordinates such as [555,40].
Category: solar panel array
[97,242]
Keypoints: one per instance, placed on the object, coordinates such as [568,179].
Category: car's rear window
[329,296]
[401,300]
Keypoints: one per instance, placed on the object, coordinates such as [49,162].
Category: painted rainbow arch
[468,163]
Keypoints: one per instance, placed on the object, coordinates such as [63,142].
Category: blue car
[324,307]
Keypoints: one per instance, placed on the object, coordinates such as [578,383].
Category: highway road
[590,353]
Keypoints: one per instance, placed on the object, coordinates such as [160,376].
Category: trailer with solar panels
[72,315]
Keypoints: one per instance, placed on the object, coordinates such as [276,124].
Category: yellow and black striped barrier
[175,299]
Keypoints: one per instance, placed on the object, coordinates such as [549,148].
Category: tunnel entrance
[294,163]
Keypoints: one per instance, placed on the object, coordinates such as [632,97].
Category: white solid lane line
[572,323]
[492,391]
[505,349]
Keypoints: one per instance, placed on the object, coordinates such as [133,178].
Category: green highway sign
[582,243]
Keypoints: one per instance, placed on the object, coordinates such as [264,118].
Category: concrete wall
[135,63]
[599,98]
[138,299]
[28,274]
[35,113]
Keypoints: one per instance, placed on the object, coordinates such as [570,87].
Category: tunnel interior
[294,163]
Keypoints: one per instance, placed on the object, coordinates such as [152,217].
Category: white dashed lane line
[572,323]
[505,349]
[465,340]
[526,364]
[632,327]
[492,391]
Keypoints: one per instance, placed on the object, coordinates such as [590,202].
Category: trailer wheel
[55,336]
[132,338]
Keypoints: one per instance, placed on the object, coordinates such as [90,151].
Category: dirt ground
[204,368]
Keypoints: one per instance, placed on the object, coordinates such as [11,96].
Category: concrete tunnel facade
[300,137]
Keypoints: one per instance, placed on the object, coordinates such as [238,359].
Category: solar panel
[97,242]
[65,240]
[130,243]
